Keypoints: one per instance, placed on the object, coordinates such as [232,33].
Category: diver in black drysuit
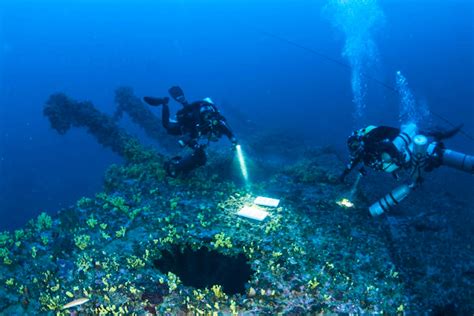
[366,146]
[369,145]
[197,120]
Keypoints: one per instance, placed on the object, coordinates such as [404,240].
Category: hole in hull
[204,268]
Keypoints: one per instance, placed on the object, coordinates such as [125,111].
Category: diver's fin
[178,95]
[440,134]
[156,101]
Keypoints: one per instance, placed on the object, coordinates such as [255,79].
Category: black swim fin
[156,101]
[178,95]
[440,134]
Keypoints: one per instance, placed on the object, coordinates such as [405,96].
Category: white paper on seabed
[253,212]
[264,201]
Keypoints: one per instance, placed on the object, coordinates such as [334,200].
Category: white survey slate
[264,201]
[253,212]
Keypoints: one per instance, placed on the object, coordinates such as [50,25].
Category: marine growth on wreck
[153,245]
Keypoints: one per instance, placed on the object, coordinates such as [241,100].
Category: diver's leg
[173,128]
[153,101]
[440,134]
[186,164]
[201,157]
[165,116]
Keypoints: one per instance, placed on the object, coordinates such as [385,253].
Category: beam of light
[243,166]
[354,187]
[347,202]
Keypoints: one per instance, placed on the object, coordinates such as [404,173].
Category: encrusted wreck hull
[309,256]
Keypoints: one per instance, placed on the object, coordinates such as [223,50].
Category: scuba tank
[420,158]
[458,160]
[390,200]
[403,144]
[423,156]
[416,151]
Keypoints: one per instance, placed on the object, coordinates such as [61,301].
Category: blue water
[213,48]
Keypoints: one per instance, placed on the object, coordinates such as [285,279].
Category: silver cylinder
[403,141]
[420,145]
[390,200]
[458,160]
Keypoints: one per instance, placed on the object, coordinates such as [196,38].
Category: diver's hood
[208,100]
[364,131]
[207,106]
[355,141]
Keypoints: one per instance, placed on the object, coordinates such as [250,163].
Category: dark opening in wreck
[204,268]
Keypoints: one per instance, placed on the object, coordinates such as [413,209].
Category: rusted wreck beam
[64,113]
[141,115]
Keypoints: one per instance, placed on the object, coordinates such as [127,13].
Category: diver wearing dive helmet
[195,121]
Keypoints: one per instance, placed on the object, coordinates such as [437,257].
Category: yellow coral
[34,252]
[173,281]
[221,240]
[218,293]
[135,263]
[82,241]
[43,222]
[83,202]
[4,238]
[4,253]
[121,232]
[91,221]
[313,283]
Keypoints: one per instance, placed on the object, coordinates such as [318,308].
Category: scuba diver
[196,121]
[391,150]
[372,146]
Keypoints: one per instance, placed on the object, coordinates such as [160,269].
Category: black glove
[342,177]
[178,95]
[193,144]
[156,101]
[234,142]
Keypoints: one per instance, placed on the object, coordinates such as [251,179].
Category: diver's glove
[234,142]
[193,144]
[156,101]
[178,95]
[189,142]
[344,174]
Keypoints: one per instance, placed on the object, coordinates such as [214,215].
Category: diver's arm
[389,148]
[381,133]
[350,166]
[173,128]
[225,129]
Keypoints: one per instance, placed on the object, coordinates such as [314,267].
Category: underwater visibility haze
[236,157]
